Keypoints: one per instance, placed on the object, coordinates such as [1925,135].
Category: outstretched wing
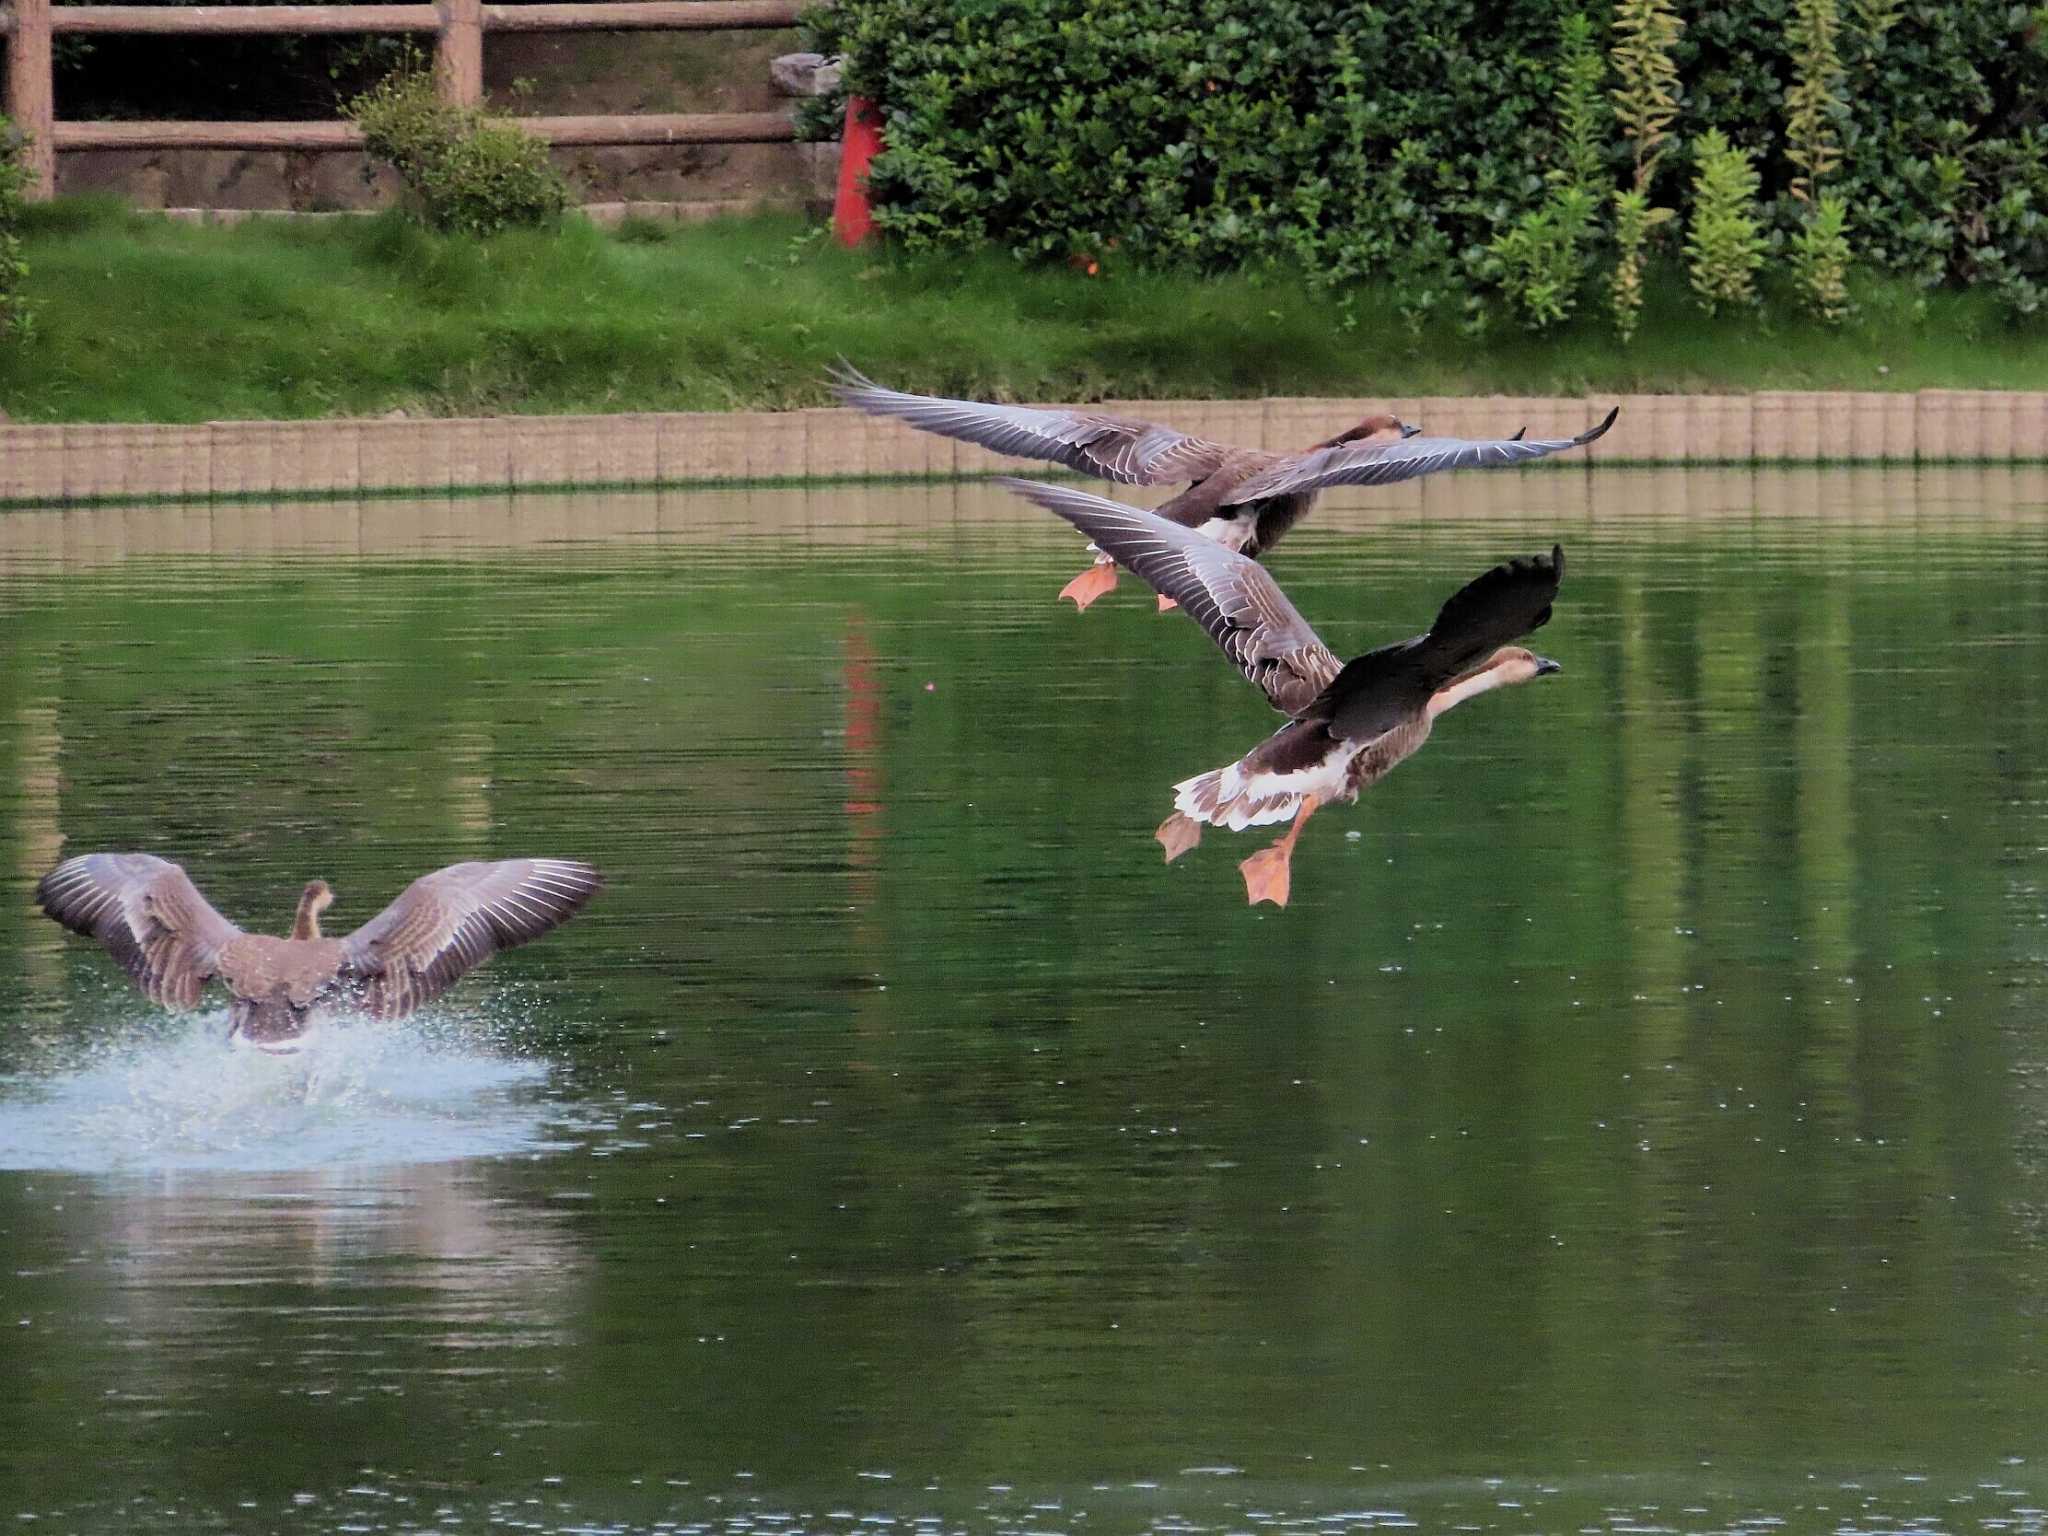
[1128,452]
[1376,691]
[149,915]
[1386,463]
[1231,597]
[1488,612]
[451,921]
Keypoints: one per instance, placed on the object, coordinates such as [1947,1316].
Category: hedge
[1405,140]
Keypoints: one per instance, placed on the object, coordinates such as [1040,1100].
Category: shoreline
[84,464]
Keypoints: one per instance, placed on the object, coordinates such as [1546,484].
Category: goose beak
[1409,431]
[1545,666]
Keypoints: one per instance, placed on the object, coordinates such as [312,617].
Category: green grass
[141,319]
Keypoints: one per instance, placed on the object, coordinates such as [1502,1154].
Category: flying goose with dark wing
[1244,498]
[1350,725]
[171,941]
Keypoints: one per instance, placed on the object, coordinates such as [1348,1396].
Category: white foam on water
[357,1092]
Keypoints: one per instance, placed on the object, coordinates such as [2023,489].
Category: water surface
[1637,1120]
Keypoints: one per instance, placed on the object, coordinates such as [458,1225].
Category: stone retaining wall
[52,465]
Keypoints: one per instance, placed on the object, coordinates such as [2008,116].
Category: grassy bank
[140,319]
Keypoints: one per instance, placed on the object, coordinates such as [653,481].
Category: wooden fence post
[32,96]
[459,52]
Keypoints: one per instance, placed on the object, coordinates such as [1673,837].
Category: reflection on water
[1637,1123]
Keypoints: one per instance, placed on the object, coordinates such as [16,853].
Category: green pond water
[1639,1120]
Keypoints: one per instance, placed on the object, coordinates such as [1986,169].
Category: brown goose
[1244,498]
[1350,723]
[171,941]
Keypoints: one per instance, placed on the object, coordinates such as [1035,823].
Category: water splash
[183,1098]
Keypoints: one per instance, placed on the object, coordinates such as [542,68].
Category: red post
[859,142]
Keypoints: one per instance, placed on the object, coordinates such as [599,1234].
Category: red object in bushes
[859,143]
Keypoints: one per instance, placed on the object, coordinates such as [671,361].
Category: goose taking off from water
[170,940]
[1349,723]
[1244,498]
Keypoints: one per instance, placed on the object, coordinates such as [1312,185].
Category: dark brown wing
[1388,463]
[1128,452]
[447,923]
[150,916]
[1376,691]
[1488,612]
[1233,598]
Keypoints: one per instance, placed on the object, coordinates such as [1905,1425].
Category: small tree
[1642,56]
[1813,102]
[1724,244]
[1820,259]
[1645,105]
[1541,259]
[466,169]
[1635,221]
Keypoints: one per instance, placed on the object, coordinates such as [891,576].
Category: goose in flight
[1246,499]
[1349,723]
[171,941]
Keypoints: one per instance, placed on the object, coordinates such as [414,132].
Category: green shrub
[1583,114]
[1813,101]
[1820,260]
[14,310]
[1540,261]
[1399,140]
[1349,140]
[1643,57]
[465,169]
[2008,241]
[1723,245]
[1635,222]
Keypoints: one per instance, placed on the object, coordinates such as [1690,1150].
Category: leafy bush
[466,169]
[1723,245]
[14,311]
[1402,139]
[1643,55]
[1813,102]
[1820,260]
[1540,262]
[1635,221]
[1210,133]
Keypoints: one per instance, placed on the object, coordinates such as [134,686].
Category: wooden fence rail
[458,27]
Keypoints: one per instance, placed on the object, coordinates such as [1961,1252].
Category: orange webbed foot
[1177,834]
[1089,585]
[1266,874]
[1167,604]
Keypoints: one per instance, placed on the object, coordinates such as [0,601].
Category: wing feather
[1230,596]
[1387,463]
[1376,691]
[447,923]
[1111,447]
[148,914]
[1490,611]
